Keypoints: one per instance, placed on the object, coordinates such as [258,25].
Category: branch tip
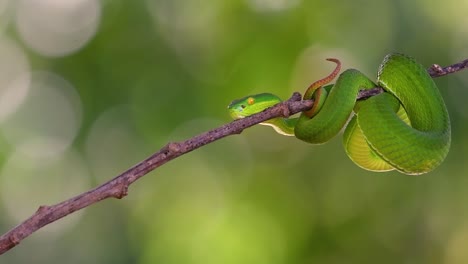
[437,68]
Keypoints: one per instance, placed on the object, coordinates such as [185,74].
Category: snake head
[252,104]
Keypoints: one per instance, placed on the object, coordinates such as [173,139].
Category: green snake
[406,128]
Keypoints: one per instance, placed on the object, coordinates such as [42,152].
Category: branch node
[238,132]
[42,209]
[173,148]
[285,107]
[14,239]
[295,97]
[285,111]
[123,191]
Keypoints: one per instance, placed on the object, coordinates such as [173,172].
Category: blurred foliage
[163,70]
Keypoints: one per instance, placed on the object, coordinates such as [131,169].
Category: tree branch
[118,186]
[437,71]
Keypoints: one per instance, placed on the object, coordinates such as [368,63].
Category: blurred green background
[89,88]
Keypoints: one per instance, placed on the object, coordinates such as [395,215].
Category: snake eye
[250,101]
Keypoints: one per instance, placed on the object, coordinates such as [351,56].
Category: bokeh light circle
[6,7]
[272,5]
[112,144]
[57,28]
[49,118]
[27,183]
[14,77]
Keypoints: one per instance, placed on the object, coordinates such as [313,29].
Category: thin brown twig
[118,186]
[437,71]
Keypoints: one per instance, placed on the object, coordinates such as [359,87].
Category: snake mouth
[236,109]
[236,113]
